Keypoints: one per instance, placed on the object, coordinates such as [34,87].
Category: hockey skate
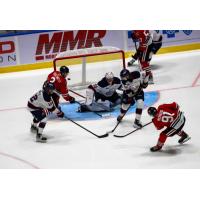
[184,138]
[34,129]
[40,138]
[137,124]
[131,62]
[155,148]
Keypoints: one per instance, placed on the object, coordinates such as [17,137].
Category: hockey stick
[120,136]
[77,94]
[88,110]
[99,136]
[108,132]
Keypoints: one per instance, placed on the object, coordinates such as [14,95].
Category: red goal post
[89,55]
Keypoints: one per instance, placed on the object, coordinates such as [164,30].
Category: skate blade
[186,139]
[136,126]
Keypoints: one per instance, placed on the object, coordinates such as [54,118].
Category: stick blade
[119,136]
[108,132]
[103,136]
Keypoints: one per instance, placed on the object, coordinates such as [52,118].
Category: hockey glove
[60,114]
[72,100]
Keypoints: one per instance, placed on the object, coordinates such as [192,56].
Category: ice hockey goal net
[90,65]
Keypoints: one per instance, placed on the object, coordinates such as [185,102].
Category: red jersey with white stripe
[168,115]
[144,38]
[60,84]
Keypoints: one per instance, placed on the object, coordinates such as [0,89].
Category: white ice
[177,77]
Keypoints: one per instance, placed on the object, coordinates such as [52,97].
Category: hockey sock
[138,114]
[122,111]
[162,139]
[182,133]
[35,122]
[41,127]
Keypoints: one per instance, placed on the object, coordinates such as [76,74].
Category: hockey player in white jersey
[41,105]
[102,96]
[156,41]
[133,84]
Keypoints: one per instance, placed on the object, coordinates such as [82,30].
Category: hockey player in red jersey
[169,116]
[58,78]
[155,45]
[143,52]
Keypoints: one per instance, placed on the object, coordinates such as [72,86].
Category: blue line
[25,33]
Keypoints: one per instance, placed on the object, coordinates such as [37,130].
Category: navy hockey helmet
[48,87]
[152,111]
[124,74]
[64,70]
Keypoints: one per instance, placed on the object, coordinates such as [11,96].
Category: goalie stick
[121,136]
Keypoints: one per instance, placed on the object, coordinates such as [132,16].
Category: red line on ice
[196,80]
[167,89]
[19,159]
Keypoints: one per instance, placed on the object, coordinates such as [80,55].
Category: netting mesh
[90,65]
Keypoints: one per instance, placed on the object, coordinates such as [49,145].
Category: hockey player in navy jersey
[102,96]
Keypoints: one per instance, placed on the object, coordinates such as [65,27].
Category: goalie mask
[109,76]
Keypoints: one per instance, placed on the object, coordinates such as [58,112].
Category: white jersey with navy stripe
[39,101]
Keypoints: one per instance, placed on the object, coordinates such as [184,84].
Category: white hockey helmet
[109,75]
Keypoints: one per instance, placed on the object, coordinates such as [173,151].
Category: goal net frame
[88,52]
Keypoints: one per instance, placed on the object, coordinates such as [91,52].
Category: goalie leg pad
[89,96]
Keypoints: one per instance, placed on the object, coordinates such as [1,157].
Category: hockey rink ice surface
[177,78]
